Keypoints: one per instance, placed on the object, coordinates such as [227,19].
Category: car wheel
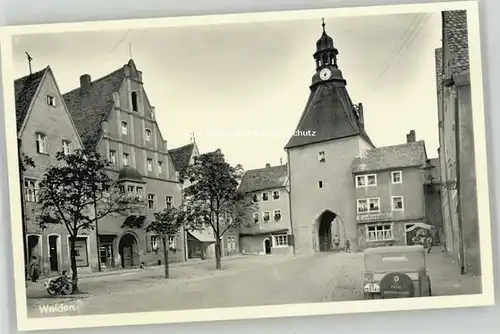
[425,286]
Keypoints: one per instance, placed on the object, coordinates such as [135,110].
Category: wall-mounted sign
[375,217]
[81,252]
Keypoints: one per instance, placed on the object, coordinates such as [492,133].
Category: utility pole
[97,235]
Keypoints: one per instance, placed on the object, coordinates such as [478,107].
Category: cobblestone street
[245,281]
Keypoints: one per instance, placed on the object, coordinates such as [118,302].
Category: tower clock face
[325,74]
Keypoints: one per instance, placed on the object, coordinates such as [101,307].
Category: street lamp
[448,184]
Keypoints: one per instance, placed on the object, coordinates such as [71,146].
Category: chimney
[85,81]
[281,161]
[268,165]
[361,115]
[153,110]
[410,137]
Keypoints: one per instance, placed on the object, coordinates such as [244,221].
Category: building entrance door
[267,245]
[54,253]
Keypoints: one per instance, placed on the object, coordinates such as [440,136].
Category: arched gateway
[128,251]
[327,225]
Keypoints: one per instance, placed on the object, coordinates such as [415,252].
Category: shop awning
[419,225]
[202,236]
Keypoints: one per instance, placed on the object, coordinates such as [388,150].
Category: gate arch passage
[326,225]
[128,250]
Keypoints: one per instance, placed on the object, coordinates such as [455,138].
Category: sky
[242,87]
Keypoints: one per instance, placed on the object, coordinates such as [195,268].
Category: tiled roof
[455,30]
[90,107]
[264,178]
[25,89]
[330,114]
[438,58]
[388,157]
[180,157]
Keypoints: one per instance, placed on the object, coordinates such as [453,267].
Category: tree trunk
[165,256]
[218,264]
[74,271]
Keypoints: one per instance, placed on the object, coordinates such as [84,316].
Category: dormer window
[134,101]
[51,100]
[124,128]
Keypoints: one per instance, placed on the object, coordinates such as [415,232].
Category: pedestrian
[429,243]
[347,245]
[336,242]
[33,269]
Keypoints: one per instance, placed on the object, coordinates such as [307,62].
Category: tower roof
[130,174]
[325,41]
[329,113]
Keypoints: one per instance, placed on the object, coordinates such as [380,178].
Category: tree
[213,199]
[167,223]
[76,193]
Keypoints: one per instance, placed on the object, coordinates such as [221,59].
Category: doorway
[106,251]
[127,250]
[267,246]
[54,253]
[324,226]
[410,234]
[34,246]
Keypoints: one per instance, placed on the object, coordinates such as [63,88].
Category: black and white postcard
[268,164]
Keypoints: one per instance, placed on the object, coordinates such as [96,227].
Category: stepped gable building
[456,139]
[390,194]
[44,127]
[113,116]
[322,193]
[269,230]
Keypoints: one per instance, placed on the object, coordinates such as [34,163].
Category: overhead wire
[403,51]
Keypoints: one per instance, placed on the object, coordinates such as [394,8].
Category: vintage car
[396,272]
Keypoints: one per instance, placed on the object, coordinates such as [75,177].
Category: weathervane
[29,61]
